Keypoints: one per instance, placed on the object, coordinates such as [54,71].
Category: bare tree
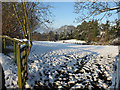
[91,9]
[13,17]
[22,17]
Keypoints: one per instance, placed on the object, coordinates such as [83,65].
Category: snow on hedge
[70,66]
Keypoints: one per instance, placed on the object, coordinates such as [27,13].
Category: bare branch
[92,9]
[109,9]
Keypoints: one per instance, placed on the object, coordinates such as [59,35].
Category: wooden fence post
[15,52]
[24,65]
[19,67]
[27,58]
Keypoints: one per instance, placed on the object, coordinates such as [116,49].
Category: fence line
[21,57]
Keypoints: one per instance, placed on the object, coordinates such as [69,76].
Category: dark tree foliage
[90,31]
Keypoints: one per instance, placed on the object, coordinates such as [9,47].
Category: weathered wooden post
[27,44]
[19,67]
[15,52]
[24,63]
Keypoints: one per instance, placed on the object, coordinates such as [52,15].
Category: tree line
[90,31]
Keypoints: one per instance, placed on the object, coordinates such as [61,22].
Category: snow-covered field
[68,66]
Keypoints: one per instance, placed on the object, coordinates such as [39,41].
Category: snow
[10,70]
[72,41]
[21,46]
[20,40]
[65,65]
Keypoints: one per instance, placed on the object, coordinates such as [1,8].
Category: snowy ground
[60,65]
